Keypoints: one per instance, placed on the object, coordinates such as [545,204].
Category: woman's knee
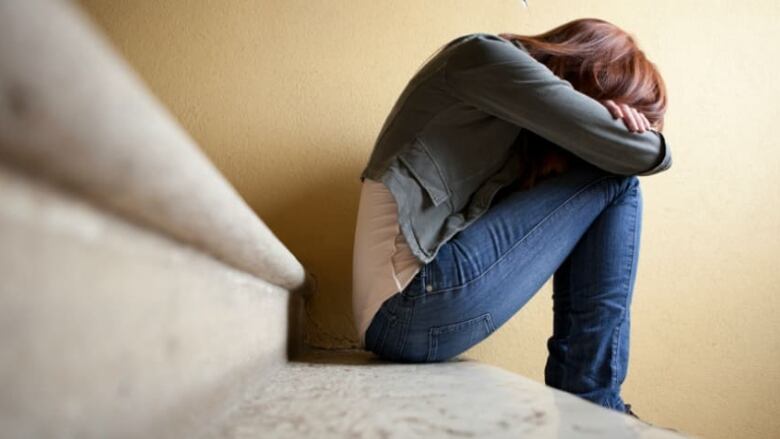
[624,186]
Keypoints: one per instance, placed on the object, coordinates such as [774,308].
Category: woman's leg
[483,275]
[592,290]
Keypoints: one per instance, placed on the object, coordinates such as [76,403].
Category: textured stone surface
[354,394]
[112,330]
[73,111]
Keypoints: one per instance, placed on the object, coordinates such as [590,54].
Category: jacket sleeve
[504,80]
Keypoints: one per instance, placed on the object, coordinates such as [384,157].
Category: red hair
[602,61]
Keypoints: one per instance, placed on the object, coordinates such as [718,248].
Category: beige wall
[287,96]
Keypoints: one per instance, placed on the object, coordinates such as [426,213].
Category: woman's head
[602,61]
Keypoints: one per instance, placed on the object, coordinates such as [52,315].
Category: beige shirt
[382,263]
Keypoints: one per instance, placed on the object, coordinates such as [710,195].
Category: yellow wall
[287,96]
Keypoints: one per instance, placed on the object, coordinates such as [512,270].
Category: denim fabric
[583,228]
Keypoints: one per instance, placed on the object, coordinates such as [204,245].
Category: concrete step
[353,393]
[110,329]
[139,293]
[72,111]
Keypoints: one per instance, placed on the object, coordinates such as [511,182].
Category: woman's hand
[634,120]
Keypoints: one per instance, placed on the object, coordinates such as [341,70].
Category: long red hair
[602,61]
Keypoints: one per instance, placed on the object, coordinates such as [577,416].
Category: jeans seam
[405,332]
[423,280]
[383,336]
[390,322]
[624,313]
[615,346]
[433,346]
[521,240]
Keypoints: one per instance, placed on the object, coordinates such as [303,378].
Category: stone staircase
[141,297]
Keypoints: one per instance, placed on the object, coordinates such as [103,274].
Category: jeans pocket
[445,342]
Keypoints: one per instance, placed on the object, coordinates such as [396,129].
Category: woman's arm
[501,79]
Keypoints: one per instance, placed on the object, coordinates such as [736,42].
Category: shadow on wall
[317,223]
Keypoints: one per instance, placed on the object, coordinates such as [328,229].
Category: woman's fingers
[613,108]
[639,121]
[648,125]
[629,117]
[643,122]
[634,119]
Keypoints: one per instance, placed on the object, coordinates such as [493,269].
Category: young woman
[506,160]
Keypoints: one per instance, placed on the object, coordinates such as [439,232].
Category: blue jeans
[582,227]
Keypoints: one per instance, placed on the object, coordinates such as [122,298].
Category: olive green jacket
[446,147]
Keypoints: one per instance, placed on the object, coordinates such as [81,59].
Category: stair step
[77,115]
[113,330]
[353,393]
